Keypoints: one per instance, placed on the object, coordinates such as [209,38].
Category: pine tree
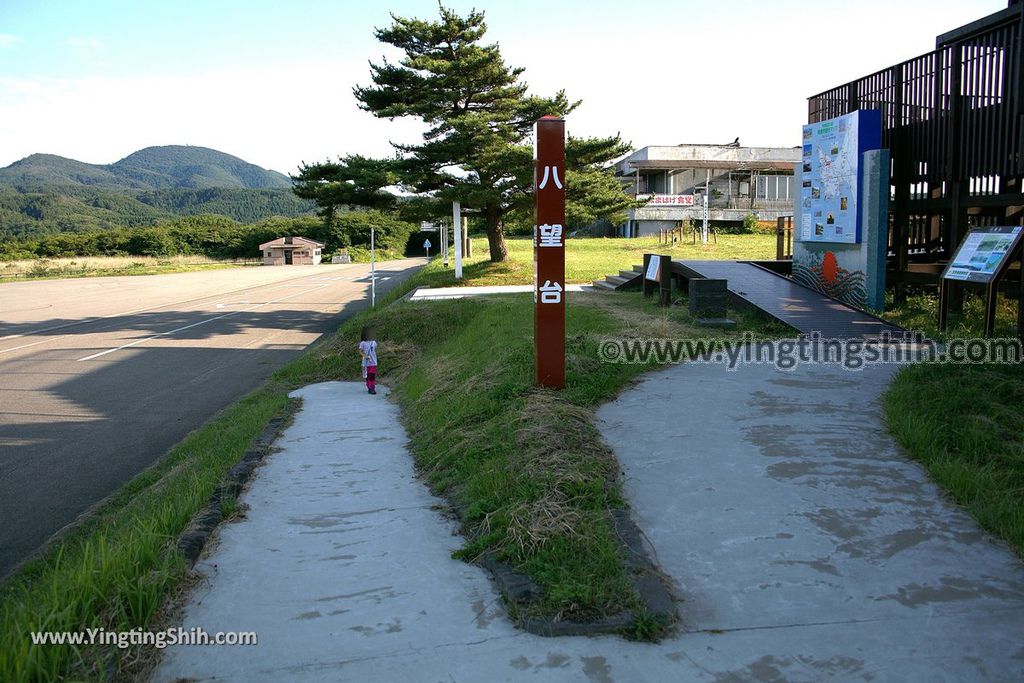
[352,181]
[480,118]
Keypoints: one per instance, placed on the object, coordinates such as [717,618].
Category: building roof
[291,242]
[723,157]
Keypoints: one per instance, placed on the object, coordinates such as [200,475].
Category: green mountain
[176,166]
[152,168]
[45,193]
[47,170]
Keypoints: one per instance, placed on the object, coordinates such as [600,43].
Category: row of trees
[24,213]
[216,237]
[477,148]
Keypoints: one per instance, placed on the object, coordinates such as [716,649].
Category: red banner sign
[549,252]
[667,199]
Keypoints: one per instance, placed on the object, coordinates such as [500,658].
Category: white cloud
[86,43]
[8,41]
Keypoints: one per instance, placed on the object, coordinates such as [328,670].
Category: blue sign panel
[830,192]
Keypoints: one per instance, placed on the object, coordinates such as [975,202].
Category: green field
[592,258]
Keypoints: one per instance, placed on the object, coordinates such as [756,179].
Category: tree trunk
[495,234]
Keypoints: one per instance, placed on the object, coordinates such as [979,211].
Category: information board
[830,191]
[983,253]
[654,269]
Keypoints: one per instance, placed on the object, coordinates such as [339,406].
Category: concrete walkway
[803,546]
[434,293]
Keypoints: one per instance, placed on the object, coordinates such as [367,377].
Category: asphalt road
[99,377]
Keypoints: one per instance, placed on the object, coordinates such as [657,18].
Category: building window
[267,254]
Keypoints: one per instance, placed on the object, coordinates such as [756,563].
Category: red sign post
[549,252]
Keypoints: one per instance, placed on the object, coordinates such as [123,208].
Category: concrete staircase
[624,279]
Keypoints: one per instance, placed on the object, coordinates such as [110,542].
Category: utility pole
[444,242]
[707,191]
[373,271]
[457,225]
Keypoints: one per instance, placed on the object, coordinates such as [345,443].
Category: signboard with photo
[983,253]
[830,193]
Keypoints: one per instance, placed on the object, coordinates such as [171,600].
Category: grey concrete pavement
[802,544]
[433,293]
[99,377]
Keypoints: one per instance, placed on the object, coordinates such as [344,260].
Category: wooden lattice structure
[953,120]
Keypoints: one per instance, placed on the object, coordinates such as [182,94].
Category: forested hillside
[45,194]
[216,237]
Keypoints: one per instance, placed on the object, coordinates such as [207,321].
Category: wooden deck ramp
[800,307]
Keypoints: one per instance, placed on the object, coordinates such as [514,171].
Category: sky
[271,81]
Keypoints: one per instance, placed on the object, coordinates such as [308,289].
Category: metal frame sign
[549,252]
[983,254]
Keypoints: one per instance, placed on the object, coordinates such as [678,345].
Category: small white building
[289,251]
[739,181]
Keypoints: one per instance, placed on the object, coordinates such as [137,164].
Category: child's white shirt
[369,351]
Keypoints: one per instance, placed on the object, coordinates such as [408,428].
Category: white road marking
[25,346]
[147,308]
[141,310]
[201,322]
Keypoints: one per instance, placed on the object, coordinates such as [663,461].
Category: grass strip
[115,569]
[107,266]
[965,424]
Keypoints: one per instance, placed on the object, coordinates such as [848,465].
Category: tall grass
[965,424]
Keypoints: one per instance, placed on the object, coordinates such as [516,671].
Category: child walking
[368,350]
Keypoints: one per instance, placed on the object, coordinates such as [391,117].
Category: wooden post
[991,298]
[645,285]
[1020,298]
[665,281]
[549,252]
[943,303]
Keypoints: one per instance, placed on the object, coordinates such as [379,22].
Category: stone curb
[195,536]
[649,583]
